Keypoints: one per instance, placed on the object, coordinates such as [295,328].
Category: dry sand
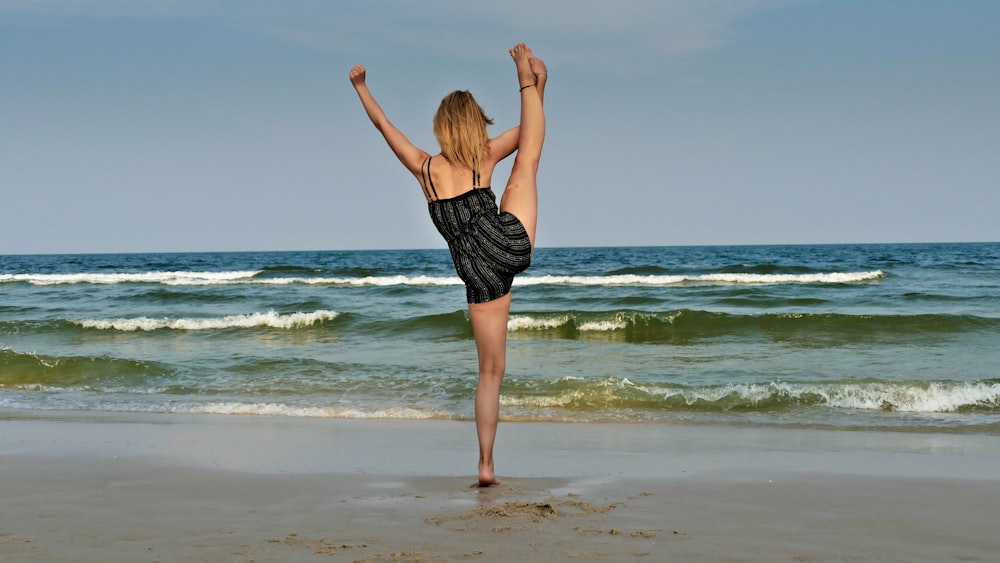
[89,487]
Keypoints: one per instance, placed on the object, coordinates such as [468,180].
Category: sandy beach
[99,487]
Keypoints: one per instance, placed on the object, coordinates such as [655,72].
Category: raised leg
[520,197]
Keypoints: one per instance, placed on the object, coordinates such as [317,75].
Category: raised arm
[405,151]
[504,144]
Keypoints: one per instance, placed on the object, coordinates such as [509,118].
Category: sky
[224,125]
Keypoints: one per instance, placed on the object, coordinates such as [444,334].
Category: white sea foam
[935,397]
[722,279]
[607,390]
[165,278]
[270,319]
[278,409]
[751,393]
[229,408]
[543,401]
[603,326]
[364,281]
[524,322]
[249,277]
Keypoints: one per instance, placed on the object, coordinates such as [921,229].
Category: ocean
[899,337]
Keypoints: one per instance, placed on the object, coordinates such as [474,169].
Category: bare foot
[538,66]
[522,58]
[486,476]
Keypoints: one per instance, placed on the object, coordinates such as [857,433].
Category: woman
[488,245]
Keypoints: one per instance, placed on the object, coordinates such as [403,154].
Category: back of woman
[489,244]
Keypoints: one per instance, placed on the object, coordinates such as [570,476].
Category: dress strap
[428,183]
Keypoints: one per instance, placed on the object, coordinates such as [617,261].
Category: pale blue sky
[203,125]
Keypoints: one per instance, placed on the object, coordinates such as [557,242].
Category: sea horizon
[539,247]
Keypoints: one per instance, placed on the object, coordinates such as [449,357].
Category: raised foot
[522,56]
[538,66]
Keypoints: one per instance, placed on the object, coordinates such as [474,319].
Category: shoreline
[142,487]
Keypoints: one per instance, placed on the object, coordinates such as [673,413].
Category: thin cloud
[579,32]
[575,32]
[94,8]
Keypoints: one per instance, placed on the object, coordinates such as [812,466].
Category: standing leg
[520,197]
[489,323]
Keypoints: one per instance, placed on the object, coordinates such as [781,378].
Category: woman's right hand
[357,75]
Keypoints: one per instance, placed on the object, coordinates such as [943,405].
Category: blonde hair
[460,128]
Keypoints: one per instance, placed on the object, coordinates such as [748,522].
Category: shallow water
[845,336]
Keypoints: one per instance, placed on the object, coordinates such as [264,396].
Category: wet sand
[94,487]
